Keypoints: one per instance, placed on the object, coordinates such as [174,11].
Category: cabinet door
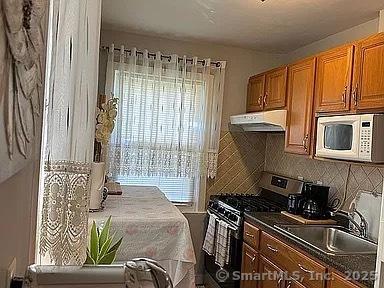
[339,282]
[275,88]
[271,274]
[301,81]
[255,95]
[249,266]
[333,79]
[368,86]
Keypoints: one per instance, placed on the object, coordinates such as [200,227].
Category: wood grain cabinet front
[249,267]
[251,235]
[256,91]
[334,79]
[368,84]
[275,88]
[301,81]
[272,276]
[307,270]
[340,282]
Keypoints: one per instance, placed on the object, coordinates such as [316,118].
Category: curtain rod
[216,63]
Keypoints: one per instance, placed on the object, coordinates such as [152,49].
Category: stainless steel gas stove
[272,196]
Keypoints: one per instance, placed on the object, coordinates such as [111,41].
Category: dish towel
[209,240]
[222,244]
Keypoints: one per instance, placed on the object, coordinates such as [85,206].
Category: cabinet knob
[272,248]
[260,100]
[265,99]
[302,268]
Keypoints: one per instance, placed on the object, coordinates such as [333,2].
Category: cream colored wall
[241,63]
[343,37]
[18,200]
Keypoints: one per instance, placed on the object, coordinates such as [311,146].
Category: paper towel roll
[97,185]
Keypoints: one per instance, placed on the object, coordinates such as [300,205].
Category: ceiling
[271,26]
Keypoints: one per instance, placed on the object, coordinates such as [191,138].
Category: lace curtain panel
[70,111]
[169,116]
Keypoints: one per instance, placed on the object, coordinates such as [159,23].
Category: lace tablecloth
[152,227]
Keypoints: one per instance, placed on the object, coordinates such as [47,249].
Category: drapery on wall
[169,116]
[70,106]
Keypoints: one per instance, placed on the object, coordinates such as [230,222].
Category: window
[159,133]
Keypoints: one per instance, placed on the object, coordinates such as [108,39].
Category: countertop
[343,264]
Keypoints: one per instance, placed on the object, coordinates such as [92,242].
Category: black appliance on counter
[315,205]
[272,197]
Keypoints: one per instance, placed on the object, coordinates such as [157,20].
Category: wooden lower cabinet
[249,266]
[340,282]
[271,274]
[280,266]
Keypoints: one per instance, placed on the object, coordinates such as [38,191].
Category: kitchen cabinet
[251,235]
[267,91]
[256,93]
[275,88]
[249,266]
[286,265]
[368,84]
[334,79]
[339,282]
[300,92]
[272,276]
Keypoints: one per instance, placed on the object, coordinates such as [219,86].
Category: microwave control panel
[365,139]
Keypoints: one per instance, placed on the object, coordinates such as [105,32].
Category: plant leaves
[104,233]
[89,260]
[109,258]
[94,243]
[105,247]
[116,245]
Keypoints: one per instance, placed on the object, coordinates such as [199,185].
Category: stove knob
[233,217]
[227,214]
[220,210]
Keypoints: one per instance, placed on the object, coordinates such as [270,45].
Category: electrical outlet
[11,271]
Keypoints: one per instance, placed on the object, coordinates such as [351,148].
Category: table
[152,227]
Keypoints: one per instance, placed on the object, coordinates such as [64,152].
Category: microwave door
[338,138]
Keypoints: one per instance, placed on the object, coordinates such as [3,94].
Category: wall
[343,37]
[241,63]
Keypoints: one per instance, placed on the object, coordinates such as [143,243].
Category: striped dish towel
[209,240]
[222,243]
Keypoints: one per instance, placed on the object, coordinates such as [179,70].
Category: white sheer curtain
[70,107]
[169,116]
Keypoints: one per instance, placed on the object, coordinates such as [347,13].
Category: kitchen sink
[332,240]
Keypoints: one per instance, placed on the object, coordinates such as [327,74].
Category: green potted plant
[101,251]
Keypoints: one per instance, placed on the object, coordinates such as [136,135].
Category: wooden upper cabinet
[368,84]
[301,81]
[275,88]
[249,265]
[333,79]
[339,282]
[256,92]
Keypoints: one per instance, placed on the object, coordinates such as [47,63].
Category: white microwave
[351,137]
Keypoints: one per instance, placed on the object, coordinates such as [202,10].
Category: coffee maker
[315,201]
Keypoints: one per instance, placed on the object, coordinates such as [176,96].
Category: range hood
[266,121]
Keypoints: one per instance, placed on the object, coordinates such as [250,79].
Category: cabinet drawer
[251,235]
[292,261]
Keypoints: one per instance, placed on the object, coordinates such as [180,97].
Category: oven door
[233,265]
[338,137]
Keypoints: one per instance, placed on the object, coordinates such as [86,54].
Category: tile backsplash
[333,174]
[240,162]
[243,156]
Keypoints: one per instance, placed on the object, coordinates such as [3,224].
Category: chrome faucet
[362,227]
